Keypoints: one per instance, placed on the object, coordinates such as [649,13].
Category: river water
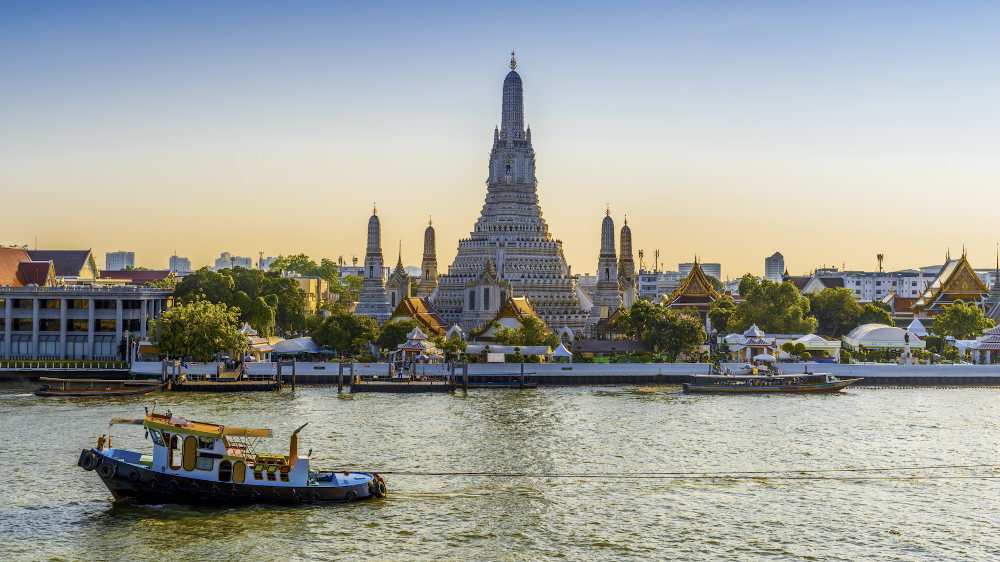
[51,509]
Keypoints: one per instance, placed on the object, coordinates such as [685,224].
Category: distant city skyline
[829,132]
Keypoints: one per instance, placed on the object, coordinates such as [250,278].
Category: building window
[131,305]
[486,298]
[104,304]
[77,304]
[21,325]
[76,325]
[104,325]
[23,303]
[131,325]
[472,300]
[48,303]
[48,345]
[48,325]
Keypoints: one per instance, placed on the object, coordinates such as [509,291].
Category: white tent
[917,328]
[561,351]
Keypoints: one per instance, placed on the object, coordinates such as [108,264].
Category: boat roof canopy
[126,421]
[205,429]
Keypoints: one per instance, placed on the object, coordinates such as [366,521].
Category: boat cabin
[215,453]
[763,380]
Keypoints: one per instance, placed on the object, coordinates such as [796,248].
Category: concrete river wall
[561,374]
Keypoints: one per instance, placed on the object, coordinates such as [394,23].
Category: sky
[828,131]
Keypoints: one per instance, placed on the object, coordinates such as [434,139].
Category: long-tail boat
[757,384]
[94,387]
[196,462]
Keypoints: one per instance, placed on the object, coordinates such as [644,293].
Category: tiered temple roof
[696,291]
[956,281]
[422,311]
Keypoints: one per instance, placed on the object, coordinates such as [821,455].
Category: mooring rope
[786,474]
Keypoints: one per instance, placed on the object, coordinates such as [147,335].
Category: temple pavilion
[956,281]
[987,345]
[696,291]
[421,311]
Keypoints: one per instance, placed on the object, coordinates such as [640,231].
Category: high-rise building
[774,267]
[713,269]
[510,251]
[117,261]
[179,264]
[229,261]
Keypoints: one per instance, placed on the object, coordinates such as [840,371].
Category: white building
[180,265]
[654,283]
[229,261]
[117,261]
[264,264]
[774,267]
[713,269]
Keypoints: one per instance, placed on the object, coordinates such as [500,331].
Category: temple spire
[513,61]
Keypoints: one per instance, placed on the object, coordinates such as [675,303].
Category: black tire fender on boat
[91,462]
[172,485]
[134,476]
[193,487]
[107,470]
[83,457]
[153,483]
[380,489]
[215,491]
[234,492]
[314,496]
[352,495]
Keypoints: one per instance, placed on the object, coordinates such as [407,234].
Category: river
[51,509]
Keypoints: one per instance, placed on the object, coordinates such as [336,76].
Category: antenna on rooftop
[880,258]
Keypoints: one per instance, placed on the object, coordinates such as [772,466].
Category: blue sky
[829,131]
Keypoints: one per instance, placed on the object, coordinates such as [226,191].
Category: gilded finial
[513,61]
[430,220]
[607,209]
[374,210]
[626,220]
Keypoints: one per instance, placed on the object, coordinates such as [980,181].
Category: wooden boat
[757,384]
[94,387]
[196,462]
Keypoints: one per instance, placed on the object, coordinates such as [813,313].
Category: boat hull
[83,393]
[748,389]
[130,483]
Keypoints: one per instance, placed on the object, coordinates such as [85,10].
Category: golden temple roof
[696,284]
[956,280]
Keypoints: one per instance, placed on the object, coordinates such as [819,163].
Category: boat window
[204,463]
[225,471]
[206,443]
[157,438]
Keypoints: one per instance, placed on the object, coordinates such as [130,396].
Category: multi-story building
[74,321]
[264,264]
[180,265]
[117,261]
[713,269]
[654,283]
[774,267]
[229,261]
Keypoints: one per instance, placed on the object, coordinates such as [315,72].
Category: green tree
[962,321]
[873,314]
[636,322]
[720,313]
[198,329]
[344,332]
[716,284]
[260,290]
[394,333]
[531,332]
[777,308]
[674,333]
[935,344]
[452,347]
[836,310]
